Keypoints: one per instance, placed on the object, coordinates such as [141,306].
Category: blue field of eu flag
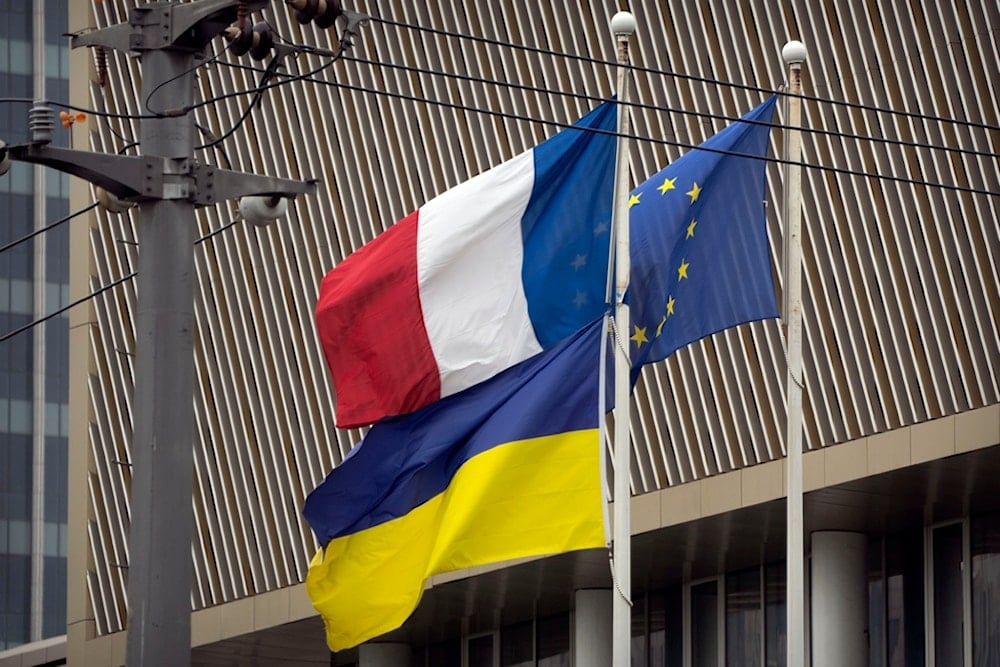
[699,253]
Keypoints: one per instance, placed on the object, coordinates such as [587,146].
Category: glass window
[744,619]
[18,467]
[446,653]
[19,52]
[639,633]
[553,641]
[705,624]
[876,605]
[904,602]
[20,417]
[986,591]
[480,651]
[54,604]
[666,628]
[517,646]
[56,491]
[775,625]
[947,564]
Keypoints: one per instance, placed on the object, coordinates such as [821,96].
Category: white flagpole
[623,26]
[794,54]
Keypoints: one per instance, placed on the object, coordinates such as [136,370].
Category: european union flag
[700,260]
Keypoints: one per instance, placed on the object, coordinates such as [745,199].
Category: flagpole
[794,54]
[623,26]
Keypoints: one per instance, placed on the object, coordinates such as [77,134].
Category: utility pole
[167,183]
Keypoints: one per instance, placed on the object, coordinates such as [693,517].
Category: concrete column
[592,628]
[80,624]
[839,600]
[384,654]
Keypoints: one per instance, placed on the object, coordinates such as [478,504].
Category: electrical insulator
[112,203]
[257,41]
[4,158]
[324,12]
[40,122]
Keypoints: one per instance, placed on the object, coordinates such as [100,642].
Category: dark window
[480,651]
[666,628]
[445,654]
[876,605]
[640,633]
[54,602]
[517,645]
[705,624]
[775,624]
[744,619]
[904,585]
[986,591]
[553,641]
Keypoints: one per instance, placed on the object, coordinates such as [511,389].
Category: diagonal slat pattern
[902,295]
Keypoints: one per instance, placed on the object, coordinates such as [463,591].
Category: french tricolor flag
[478,279]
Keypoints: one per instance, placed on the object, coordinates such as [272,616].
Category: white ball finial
[793,52]
[623,23]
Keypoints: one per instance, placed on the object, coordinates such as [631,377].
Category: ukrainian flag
[506,469]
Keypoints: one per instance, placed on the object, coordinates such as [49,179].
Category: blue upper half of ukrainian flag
[700,259]
[405,461]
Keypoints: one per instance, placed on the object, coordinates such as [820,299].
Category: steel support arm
[168,25]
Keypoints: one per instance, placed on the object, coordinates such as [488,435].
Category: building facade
[34,281]
[902,349]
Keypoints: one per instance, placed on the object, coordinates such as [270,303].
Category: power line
[688,77]
[268,72]
[684,112]
[46,318]
[656,108]
[666,142]
[51,225]
[101,290]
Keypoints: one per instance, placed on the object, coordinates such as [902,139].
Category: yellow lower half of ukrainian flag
[526,498]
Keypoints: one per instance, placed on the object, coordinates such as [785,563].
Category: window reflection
[947,550]
[553,641]
[705,624]
[744,619]
[775,650]
[986,591]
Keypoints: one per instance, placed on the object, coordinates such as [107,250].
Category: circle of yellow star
[691,229]
[668,184]
[694,192]
[639,337]
[633,200]
[682,271]
[670,306]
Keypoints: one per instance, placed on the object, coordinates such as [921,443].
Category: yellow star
[682,272]
[691,229]
[670,306]
[659,327]
[668,184]
[633,200]
[694,192]
[639,336]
